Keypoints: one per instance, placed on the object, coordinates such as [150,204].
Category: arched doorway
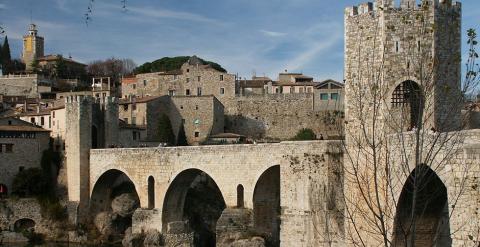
[151,192]
[3,190]
[266,205]
[114,193]
[94,137]
[422,211]
[240,196]
[194,198]
[24,225]
[407,100]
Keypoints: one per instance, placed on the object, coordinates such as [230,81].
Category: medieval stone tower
[32,47]
[406,56]
[90,123]
[402,72]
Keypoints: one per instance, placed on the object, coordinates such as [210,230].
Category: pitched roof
[323,83]
[22,128]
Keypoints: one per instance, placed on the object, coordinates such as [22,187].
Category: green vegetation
[167,64]
[40,183]
[182,137]
[305,135]
[6,57]
[30,182]
[165,131]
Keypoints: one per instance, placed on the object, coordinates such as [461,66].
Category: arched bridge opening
[114,197]
[193,203]
[266,205]
[422,217]
[24,225]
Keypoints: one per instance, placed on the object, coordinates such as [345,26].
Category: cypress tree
[165,131]
[182,137]
[6,56]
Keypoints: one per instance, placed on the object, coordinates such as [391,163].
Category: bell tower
[33,47]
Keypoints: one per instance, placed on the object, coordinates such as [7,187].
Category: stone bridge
[300,181]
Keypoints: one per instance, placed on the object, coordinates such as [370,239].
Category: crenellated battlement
[373,9]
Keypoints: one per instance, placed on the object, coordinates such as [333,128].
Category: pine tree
[165,131]
[182,137]
[6,57]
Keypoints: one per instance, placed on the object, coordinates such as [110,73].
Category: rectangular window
[309,90]
[188,70]
[144,83]
[419,47]
[53,114]
[222,90]
[42,121]
[171,92]
[198,78]
[32,120]
[292,89]
[221,77]
[134,120]
[9,148]
[197,134]
[334,96]
[187,92]
[134,86]
[196,107]
[199,91]
[397,46]
[324,96]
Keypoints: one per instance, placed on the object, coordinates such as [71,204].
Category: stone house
[28,85]
[192,79]
[21,147]
[329,95]
[200,116]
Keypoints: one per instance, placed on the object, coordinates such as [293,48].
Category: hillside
[171,63]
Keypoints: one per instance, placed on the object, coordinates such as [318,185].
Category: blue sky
[265,36]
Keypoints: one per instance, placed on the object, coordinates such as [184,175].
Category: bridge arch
[110,184]
[24,224]
[194,201]
[422,209]
[266,204]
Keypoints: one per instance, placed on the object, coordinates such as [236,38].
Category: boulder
[132,240]
[125,204]
[253,242]
[153,238]
[104,222]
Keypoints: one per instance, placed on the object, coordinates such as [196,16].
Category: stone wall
[279,117]
[190,78]
[23,85]
[26,153]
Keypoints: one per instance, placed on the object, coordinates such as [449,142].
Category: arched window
[151,192]
[240,198]
[408,95]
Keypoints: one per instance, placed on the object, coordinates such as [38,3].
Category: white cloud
[143,13]
[273,34]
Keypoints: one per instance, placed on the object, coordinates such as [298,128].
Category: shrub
[165,131]
[304,135]
[30,182]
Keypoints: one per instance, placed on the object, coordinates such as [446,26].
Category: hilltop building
[33,47]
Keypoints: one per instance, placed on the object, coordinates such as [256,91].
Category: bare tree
[111,67]
[402,181]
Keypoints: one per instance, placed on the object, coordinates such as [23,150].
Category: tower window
[221,77]
[187,92]
[144,83]
[199,91]
[397,46]
[197,134]
[198,78]
[419,47]
[222,90]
